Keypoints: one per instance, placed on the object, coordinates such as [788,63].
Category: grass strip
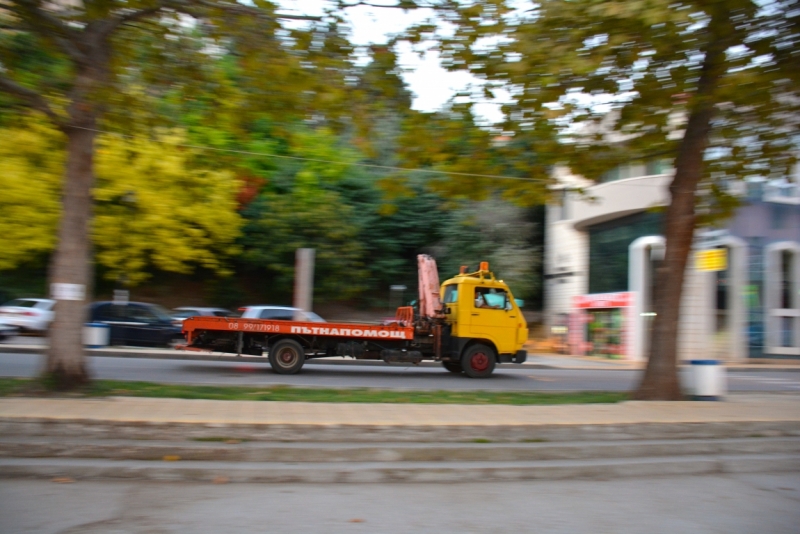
[16,387]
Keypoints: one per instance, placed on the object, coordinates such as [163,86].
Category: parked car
[136,323]
[29,315]
[184,312]
[279,313]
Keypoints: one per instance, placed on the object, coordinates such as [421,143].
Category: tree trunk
[66,365]
[660,380]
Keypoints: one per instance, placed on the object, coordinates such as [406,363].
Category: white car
[184,312]
[31,315]
[280,313]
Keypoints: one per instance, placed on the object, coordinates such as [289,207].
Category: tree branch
[30,98]
[54,28]
[232,7]
[403,4]
[112,24]
[188,8]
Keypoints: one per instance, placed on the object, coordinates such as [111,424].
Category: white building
[601,246]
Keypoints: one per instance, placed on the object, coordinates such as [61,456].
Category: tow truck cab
[479,309]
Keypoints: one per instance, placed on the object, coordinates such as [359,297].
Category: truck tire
[453,367]
[478,361]
[287,357]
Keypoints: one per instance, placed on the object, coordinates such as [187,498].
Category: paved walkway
[737,408]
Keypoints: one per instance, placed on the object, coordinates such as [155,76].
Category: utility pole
[304,278]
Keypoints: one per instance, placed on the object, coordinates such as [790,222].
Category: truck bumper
[518,357]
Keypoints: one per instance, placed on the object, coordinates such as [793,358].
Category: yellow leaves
[31,167]
[155,210]
[153,207]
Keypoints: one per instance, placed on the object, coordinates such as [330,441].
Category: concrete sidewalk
[750,408]
[280,442]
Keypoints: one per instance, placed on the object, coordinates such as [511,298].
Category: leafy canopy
[154,209]
[31,165]
[601,83]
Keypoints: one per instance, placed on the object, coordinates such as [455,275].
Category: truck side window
[490,298]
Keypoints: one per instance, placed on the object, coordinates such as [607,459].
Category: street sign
[713,259]
[67,291]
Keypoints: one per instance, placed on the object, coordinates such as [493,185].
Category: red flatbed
[394,331]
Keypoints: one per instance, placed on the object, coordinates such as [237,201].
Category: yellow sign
[714,259]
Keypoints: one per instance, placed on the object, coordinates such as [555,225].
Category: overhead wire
[347,163]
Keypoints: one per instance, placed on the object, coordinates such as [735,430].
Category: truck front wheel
[478,361]
[287,357]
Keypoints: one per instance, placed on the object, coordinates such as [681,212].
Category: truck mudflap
[519,357]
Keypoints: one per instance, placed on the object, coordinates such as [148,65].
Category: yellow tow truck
[470,323]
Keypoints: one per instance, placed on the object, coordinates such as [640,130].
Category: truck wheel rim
[479,361]
[287,357]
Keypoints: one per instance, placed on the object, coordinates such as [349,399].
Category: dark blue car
[136,323]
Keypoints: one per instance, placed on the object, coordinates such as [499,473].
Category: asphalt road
[733,504]
[345,374]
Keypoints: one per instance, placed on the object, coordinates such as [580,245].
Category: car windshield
[23,303]
[184,314]
[313,317]
[160,312]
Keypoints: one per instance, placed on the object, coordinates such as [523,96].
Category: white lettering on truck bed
[357,332]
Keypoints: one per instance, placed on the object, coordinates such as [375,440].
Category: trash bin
[96,335]
[708,380]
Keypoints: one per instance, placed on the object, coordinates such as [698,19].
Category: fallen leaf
[171,458]
[356,520]
[221,480]
[63,480]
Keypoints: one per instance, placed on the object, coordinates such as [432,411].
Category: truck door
[494,317]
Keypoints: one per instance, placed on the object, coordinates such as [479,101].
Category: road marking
[767,380]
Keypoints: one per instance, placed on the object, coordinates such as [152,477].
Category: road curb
[377,433]
[327,473]
[230,450]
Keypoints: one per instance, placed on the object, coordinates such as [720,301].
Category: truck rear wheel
[453,367]
[287,357]
[478,361]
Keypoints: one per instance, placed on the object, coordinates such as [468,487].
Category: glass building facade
[608,249]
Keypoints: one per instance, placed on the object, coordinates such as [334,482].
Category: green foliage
[300,209]
[393,229]
[280,224]
[495,231]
